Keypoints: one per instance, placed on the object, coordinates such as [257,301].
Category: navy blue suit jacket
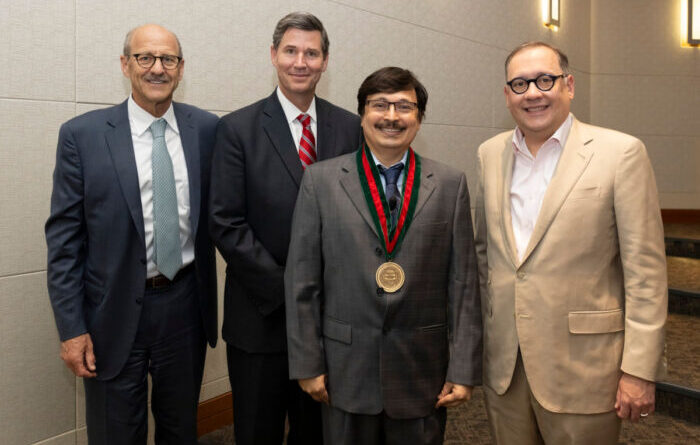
[254,185]
[96,269]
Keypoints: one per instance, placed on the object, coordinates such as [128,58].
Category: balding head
[148,28]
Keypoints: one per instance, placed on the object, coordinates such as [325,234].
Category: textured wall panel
[640,36]
[28,135]
[676,162]
[36,389]
[646,105]
[37,49]
[68,438]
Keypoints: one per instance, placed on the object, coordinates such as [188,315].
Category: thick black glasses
[148,60]
[543,82]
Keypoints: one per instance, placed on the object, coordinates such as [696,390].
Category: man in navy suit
[131,271]
[260,156]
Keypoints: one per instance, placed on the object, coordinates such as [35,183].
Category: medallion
[390,277]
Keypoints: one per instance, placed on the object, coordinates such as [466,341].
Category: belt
[160,281]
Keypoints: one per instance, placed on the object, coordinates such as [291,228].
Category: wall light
[550,13]
[693,22]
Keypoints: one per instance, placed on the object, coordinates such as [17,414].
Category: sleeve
[480,230]
[464,302]
[229,229]
[304,286]
[66,238]
[642,251]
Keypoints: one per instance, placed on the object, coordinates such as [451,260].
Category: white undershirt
[291,112]
[531,176]
[140,120]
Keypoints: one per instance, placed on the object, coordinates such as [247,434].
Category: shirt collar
[402,161]
[291,112]
[140,119]
[561,135]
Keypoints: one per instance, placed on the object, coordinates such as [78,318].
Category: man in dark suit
[260,155]
[131,270]
[383,312]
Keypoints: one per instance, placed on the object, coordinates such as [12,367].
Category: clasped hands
[452,394]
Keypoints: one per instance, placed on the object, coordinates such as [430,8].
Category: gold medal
[390,277]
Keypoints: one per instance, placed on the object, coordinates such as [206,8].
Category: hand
[78,355]
[453,395]
[316,388]
[634,397]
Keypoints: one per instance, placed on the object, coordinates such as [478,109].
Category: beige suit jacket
[589,298]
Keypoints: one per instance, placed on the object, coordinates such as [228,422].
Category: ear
[325,63]
[570,85]
[124,64]
[180,69]
[273,55]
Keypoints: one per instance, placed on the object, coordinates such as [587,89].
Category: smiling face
[300,61]
[389,133]
[152,88]
[538,113]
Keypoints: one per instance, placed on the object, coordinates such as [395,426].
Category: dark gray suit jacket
[95,234]
[390,352]
[255,179]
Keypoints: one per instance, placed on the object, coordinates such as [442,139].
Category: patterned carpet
[468,425]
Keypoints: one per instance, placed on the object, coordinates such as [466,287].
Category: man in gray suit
[382,302]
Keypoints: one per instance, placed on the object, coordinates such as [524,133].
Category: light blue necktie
[166,226]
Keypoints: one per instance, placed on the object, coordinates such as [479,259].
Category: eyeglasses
[544,82]
[401,107]
[148,60]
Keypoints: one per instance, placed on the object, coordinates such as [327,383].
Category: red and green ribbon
[377,203]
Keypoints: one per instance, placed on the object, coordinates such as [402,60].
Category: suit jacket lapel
[573,161]
[277,130]
[427,186]
[121,148]
[504,182]
[350,181]
[190,145]
[326,146]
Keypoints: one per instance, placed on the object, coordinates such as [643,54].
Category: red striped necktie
[307,145]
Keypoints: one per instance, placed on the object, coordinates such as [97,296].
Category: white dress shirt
[140,120]
[531,176]
[291,112]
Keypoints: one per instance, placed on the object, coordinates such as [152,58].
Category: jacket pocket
[337,330]
[433,327]
[596,322]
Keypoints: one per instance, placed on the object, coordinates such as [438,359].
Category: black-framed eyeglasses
[401,107]
[543,82]
[168,61]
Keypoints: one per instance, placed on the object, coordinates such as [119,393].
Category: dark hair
[391,79]
[304,21]
[563,60]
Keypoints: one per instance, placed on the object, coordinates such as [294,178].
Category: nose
[299,59]
[391,113]
[532,90]
[157,66]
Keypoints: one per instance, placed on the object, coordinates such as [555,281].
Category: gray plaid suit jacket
[382,352]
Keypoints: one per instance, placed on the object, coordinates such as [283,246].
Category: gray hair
[130,34]
[303,21]
[563,59]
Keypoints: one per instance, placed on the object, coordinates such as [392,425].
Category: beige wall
[60,58]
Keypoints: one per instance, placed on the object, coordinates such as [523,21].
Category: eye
[312,54]
[519,83]
[145,58]
[170,59]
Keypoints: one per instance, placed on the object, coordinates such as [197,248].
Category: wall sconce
[693,22]
[551,13]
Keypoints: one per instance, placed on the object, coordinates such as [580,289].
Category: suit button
[379,251]
[385,330]
[138,301]
[521,275]
[143,260]
[380,291]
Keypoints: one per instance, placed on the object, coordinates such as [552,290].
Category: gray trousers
[344,428]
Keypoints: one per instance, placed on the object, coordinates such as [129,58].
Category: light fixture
[551,13]
[693,22]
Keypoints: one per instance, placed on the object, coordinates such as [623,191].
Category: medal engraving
[390,277]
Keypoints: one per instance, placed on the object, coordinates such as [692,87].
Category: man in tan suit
[571,264]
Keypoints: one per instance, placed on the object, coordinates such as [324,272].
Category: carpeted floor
[468,425]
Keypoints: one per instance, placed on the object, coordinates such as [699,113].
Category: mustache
[151,77]
[389,125]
